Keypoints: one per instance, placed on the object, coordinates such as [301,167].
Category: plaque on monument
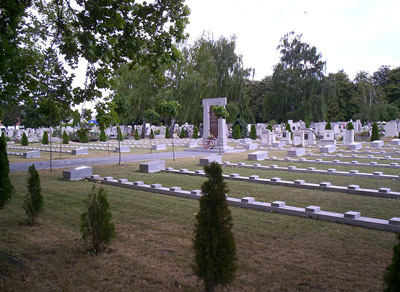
[213,124]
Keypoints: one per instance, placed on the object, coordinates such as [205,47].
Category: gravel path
[14,167]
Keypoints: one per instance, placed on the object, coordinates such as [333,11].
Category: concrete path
[14,167]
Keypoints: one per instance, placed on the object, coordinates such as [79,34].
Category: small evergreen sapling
[392,273]
[137,137]
[349,126]
[269,127]
[183,134]
[45,138]
[236,132]
[213,242]
[195,132]
[33,202]
[96,226]
[151,134]
[119,134]
[6,188]
[65,139]
[24,140]
[328,126]
[253,132]
[167,133]
[103,137]
[375,132]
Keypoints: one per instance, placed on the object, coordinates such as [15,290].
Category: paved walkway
[14,167]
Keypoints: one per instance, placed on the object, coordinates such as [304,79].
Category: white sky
[352,35]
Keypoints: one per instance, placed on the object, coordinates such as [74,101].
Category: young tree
[247,116]
[33,202]
[328,126]
[269,127]
[182,134]
[103,137]
[137,137]
[96,226]
[83,135]
[119,134]
[24,140]
[151,134]
[65,139]
[6,188]
[236,132]
[167,136]
[392,273]
[253,132]
[375,132]
[213,242]
[195,132]
[45,138]
[349,126]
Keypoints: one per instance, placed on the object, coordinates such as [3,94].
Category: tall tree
[6,188]
[298,83]
[214,243]
[257,90]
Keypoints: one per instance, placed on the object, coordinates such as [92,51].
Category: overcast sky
[352,35]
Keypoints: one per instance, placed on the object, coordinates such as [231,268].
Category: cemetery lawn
[153,251]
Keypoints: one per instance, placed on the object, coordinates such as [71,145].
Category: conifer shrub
[349,126]
[328,126]
[375,132]
[137,137]
[45,138]
[119,134]
[65,138]
[392,273]
[288,128]
[83,135]
[269,127]
[243,127]
[236,132]
[307,125]
[195,132]
[253,132]
[33,202]
[213,242]
[24,140]
[96,226]
[183,134]
[6,188]
[103,137]
[167,133]
[151,134]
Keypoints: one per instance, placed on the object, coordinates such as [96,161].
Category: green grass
[152,250]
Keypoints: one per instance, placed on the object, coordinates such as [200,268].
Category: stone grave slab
[207,160]
[296,152]
[158,147]
[327,149]
[258,155]
[152,166]
[31,154]
[124,148]
[78,173]
[80,151]
[354,146]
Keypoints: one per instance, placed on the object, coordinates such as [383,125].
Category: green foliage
[6,188]
[236,132]
[213,242]
[233,111]
[152,116]
[349,126]
[83,135]
[151,134]
[65,139]
[328,126]
[253,132]
[137,137]
[392,273]
[24,140]
[45,138]
[33,202]
[243,127]
[257,90]
[182,134]
[119,134]
[76,118]
[103,137]
[220,112]
[167,136]
[195,132]
[247,116]
[269,127]
[307,125]
[96,226]
[375,132]
[288,128]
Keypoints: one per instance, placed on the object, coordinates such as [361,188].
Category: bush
[253,132]
[167,133]
[349,126]
[392,273]
[151,134]
[375,132]
[6,188]
[243,127]
[195,132]
[288,128]
[65,139]
[328,126]
[213,242]
[83,135]
[96,225]
[183,134]
[119,134]
[45,138]
[24,140]
[307,125]
[103,136]
[137,137]
[236,132]
[269,127]
[33,202]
